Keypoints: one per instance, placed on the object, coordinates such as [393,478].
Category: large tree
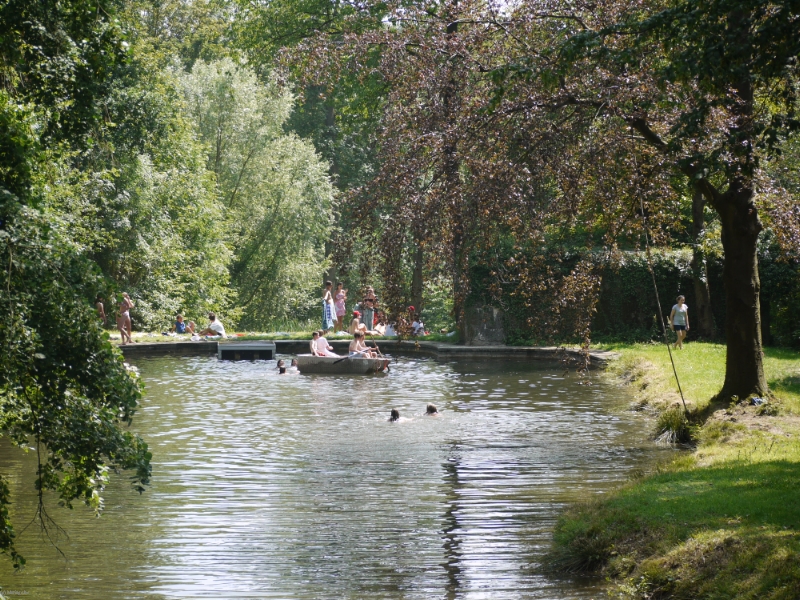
[63,389]
[585,113]
[711,85]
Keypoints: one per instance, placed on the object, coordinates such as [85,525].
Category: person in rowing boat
[358,348]
[323,347]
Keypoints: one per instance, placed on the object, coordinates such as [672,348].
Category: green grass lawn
[719,522]
[701,370]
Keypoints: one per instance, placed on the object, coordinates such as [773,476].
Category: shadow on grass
[729,529]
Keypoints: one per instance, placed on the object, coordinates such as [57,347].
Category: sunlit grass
[701,370]
[718,523]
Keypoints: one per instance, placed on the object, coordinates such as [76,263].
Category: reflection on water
[297,487]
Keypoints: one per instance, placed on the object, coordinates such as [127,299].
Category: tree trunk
[416,278]
[744,370]
[702,318]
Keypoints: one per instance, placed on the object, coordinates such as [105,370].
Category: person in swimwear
[432,411]
[394,416]
[356,324]
[339,300]
[359,348]
[124,319]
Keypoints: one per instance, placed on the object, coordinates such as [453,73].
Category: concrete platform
[439,350]
[246,350]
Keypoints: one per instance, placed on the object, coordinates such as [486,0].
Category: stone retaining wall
[598,359]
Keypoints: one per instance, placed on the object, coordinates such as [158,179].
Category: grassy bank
[721,521]
[140,336]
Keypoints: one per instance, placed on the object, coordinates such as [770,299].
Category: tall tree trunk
[744,370]
[702,319]
[416,278]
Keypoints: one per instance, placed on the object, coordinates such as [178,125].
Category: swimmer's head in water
[432,410]
[294,362]
[281,363]
[395,415]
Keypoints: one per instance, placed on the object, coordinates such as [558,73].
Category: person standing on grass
[679,320]
[340,299]
[328,312]
[101,309]
[124,319]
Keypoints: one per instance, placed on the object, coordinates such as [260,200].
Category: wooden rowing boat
[343,365]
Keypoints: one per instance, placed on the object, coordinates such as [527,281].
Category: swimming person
[679,320]
[281,367]
[394,416]
[431,410]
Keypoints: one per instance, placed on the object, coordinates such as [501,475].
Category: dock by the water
[246,350]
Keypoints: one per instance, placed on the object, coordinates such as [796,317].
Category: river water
[269,486]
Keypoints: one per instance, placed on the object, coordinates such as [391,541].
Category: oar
[336,362]
[379,350]
[376,345]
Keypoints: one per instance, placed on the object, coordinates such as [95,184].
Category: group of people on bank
[367,318]
[215,328]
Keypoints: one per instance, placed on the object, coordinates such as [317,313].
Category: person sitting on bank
[181,326]
[417,327]
[215,328]
[322,345]
[356,324]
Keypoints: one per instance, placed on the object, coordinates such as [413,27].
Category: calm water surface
[269,486]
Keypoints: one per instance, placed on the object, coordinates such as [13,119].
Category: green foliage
[60,56]
[672,426]
[438,311]
[63,389]
[276,193]
[164,238]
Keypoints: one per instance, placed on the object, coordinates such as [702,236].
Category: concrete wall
[484,326]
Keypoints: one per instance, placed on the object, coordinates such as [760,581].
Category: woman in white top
[323,347]
[679,320]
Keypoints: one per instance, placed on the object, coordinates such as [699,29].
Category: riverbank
[296,344]
[720,521]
